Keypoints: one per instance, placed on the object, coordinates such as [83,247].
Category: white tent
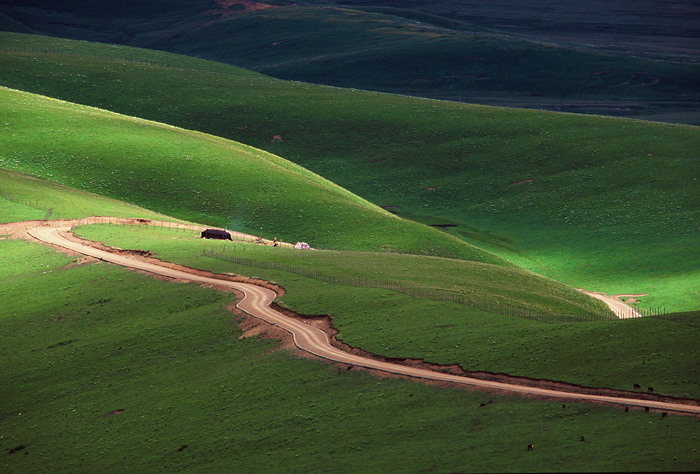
[302,245]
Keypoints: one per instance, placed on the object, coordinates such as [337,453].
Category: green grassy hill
[410,50]
[606,204]
[378,51]
[25,197]
[8,24]
[396,324]
[201,178]
[109,370]
[644,27]
[112,370]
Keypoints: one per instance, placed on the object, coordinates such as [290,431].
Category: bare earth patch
[238,7]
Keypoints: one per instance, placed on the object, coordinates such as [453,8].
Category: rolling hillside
[380,51]
[587,59]
[25,198]
[606,204]
[398,325]
[106,369]
[402,324]
[643,27]
[201,178]
[150,376]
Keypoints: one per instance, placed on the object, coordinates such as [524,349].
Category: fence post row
[407,290]
[442,297]
[410,291]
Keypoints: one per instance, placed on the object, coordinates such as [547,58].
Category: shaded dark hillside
[433,49]
[111,22]
[646,27]
[8,24]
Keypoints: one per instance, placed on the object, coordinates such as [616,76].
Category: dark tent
[216,234]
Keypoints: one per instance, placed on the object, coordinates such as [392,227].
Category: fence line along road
[620,310]
[256,302]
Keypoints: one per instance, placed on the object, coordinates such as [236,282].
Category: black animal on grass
[216,234]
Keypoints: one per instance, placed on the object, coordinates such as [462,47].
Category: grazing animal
[530,447]
[582,438]
[637,386]
[563,406]
[664,415]
[646,409]
[651,389]
[627,409]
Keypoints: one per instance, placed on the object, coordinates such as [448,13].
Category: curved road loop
[256,302]
[621,310]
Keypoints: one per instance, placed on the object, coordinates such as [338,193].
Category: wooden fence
[438,294]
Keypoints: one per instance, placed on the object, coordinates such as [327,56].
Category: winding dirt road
[308,338]
[621,310]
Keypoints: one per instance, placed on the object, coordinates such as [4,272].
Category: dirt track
[621,310]
[256,302]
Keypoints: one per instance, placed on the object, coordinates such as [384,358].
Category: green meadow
[110,370]
[383,50]
[11,211]
[201,178]
[24,191]
[642,66]
[615,354]
[606,204]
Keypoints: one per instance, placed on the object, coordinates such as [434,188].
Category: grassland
[110,370]
[438,52]
[379,51]
[643,28]
[601,203]
[64,202]
[8,24]
[649,352]
[12,212]
[201,178]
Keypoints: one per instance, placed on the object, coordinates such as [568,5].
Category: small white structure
[302,245]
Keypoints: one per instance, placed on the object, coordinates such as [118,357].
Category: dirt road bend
[621,310]
[256,302]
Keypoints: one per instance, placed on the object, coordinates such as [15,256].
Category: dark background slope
[633,59]
[647,27]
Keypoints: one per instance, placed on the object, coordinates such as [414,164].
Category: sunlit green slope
[108,370]
[200,178]
[607,204]
[25,197]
